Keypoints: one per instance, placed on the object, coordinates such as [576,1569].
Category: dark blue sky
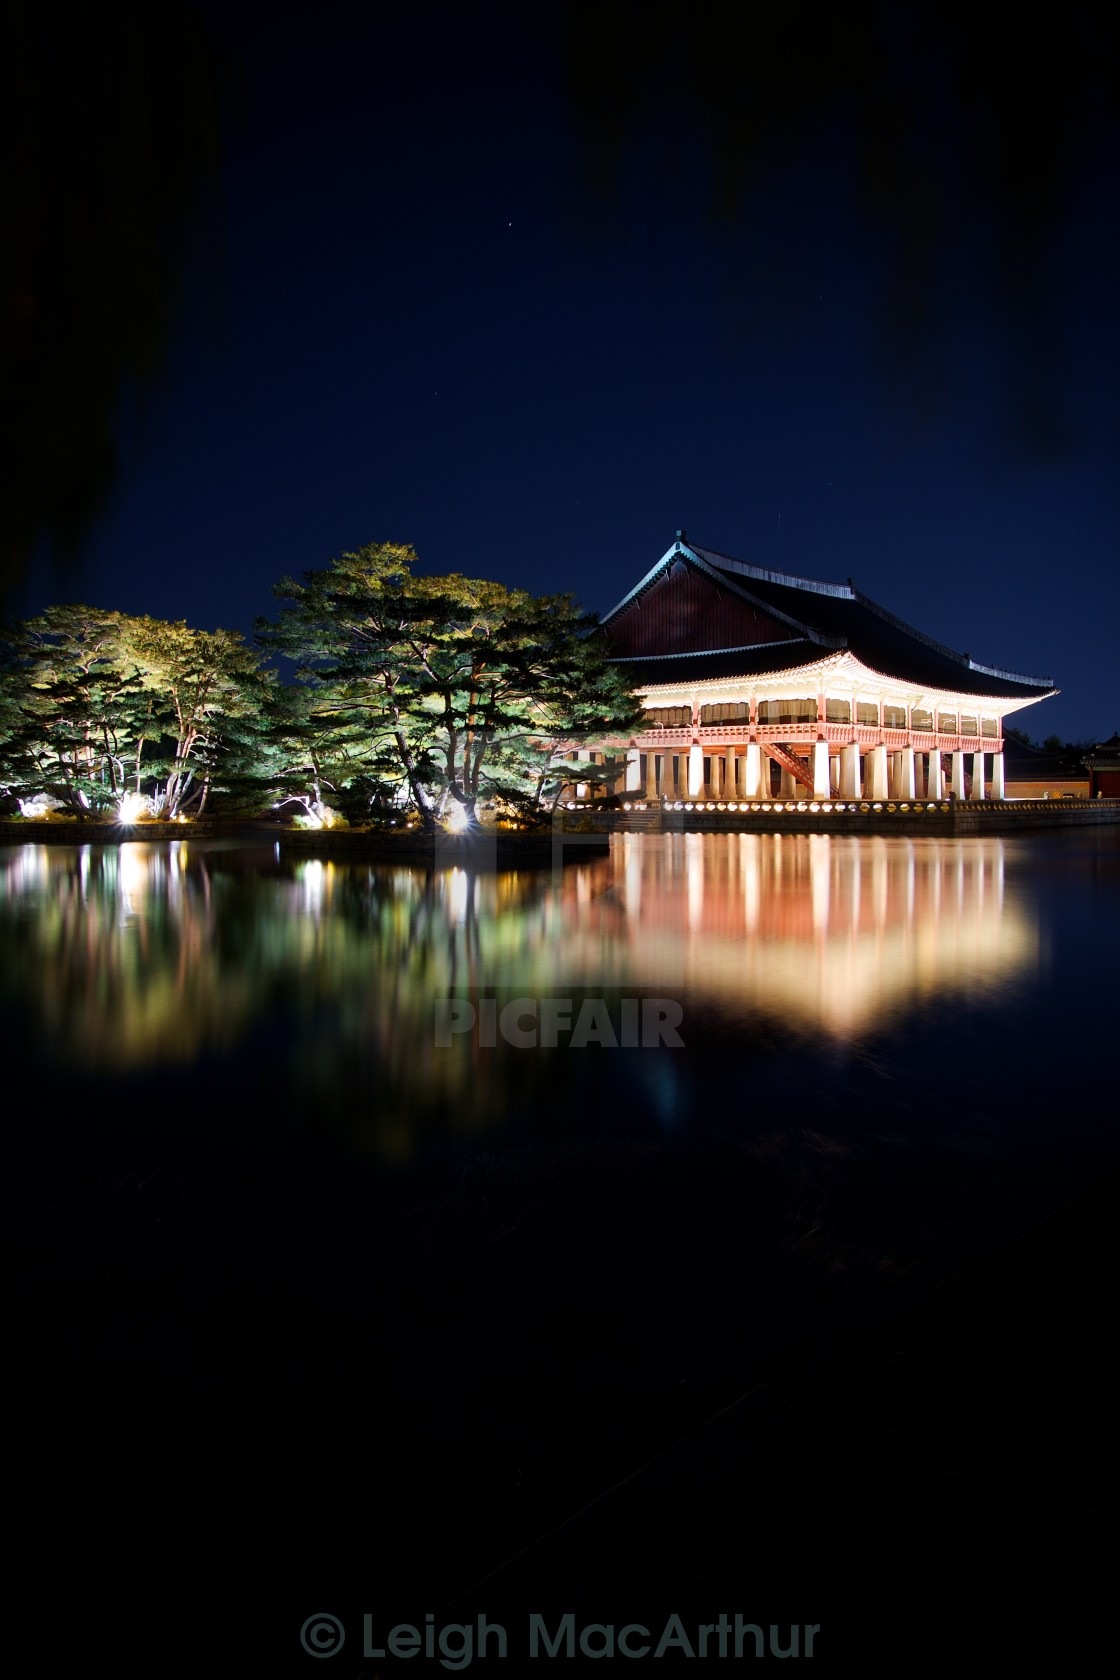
[408,317]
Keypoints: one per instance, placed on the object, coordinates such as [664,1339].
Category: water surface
[251,1183]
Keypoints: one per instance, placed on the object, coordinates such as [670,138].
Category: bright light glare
[458,819]
[131,807]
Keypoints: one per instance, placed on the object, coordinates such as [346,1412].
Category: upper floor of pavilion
[703,623]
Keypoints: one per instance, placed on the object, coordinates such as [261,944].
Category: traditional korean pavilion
[756,683]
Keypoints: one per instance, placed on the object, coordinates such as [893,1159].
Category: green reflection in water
[151,956]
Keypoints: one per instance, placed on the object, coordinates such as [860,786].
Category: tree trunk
[109,757]
[419,793]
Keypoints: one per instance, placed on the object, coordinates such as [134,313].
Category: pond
[314,1163]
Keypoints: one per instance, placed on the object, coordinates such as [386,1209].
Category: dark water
[275,1238]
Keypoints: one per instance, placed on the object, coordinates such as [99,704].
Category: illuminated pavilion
[756,683]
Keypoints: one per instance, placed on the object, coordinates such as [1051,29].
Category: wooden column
[958,774]
[849,771]
[997,776]
[877,773]
[821,787]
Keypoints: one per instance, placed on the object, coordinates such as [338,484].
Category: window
[668,717]
[728,711]
[838,711]
[894,717]
[989,726]
[920,718]
[968,726]
[867,711]
[787,711]
[947,723]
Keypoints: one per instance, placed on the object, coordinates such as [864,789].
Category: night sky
[418,305]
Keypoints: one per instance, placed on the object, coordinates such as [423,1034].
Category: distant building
[757,683]
[1103,765]
[1035,773]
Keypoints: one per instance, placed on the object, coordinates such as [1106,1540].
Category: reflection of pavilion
[750,676]
[826,932]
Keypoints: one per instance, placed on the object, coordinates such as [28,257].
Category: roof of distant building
[1105,755]
[1024,763]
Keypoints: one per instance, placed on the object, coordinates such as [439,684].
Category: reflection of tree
[112,126]
[152,957]
[120,963]
[149,956]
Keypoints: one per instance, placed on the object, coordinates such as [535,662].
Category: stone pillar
[716,772]
[651,775]
[849,771]
[997,776]
[935,781]
[978,775]
[633,771]
[730,790]
[787,786]
[821,788]
[752,768]
[695,771]
[906,773]
[958,774]
[877,773]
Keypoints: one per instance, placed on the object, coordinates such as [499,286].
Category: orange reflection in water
[830,933]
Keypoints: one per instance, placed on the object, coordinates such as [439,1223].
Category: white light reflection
[833,933]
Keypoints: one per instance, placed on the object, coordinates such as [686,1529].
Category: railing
[836,734]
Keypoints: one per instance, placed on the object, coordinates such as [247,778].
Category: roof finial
[682,536]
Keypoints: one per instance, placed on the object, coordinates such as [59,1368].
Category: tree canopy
[104,713]
[457,688]
[445,694]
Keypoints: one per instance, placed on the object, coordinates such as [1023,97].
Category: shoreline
[483,848]
[591,830]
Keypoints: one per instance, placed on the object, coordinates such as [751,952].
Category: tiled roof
[1106,755]
[645,669]
[842,614]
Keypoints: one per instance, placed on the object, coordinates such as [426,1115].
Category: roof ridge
[767,574]
[703,653]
